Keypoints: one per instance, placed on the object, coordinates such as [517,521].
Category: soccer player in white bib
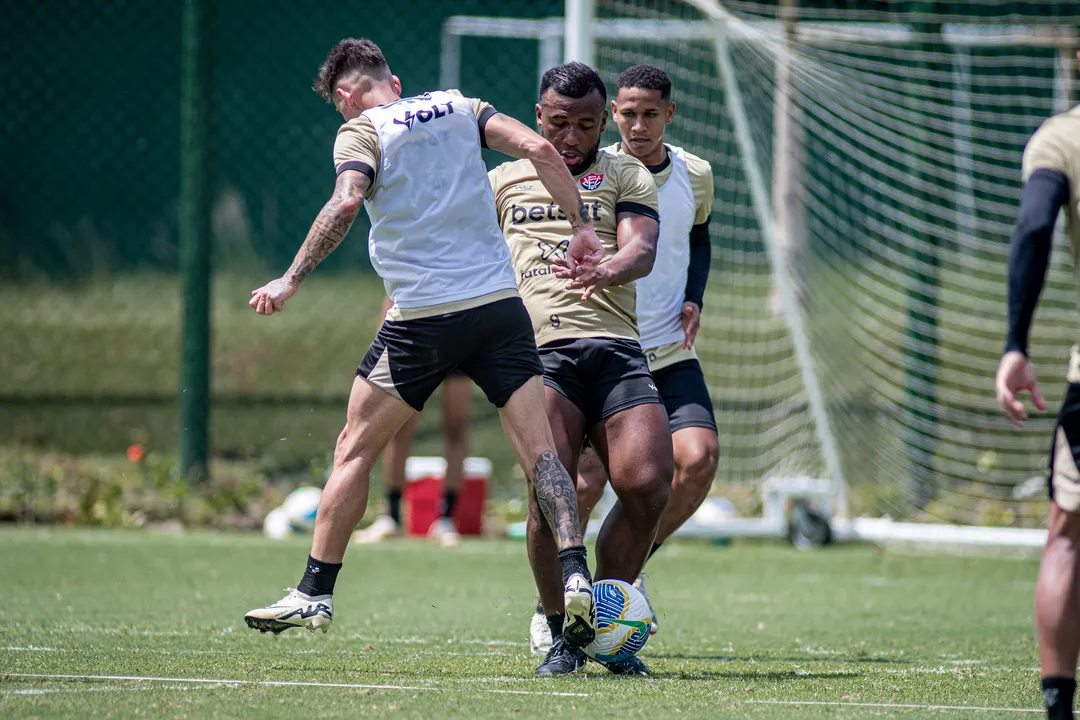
[669,302]
[415,163]
[1051,175]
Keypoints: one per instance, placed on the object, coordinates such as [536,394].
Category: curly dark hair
[647,77]
[573,80]
[348,56]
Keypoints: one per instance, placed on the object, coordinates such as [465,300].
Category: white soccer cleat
[444,532]
[579,626]
[294,610]
[384,528]
[539,633]
[639,585]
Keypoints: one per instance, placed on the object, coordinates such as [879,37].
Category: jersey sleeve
[1048,150]
[484,111]
[357,148]
[701,182]
[637,191]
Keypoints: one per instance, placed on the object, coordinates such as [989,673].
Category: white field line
[273,683]
[892,706]
[97,689]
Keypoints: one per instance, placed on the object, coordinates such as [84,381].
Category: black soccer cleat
[561,660]
[632,665]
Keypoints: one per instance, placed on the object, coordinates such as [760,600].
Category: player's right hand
[271,297]
[1014,376]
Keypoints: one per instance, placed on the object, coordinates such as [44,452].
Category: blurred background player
[669,301]
[416,164]
[598,382]
[456,401]
[1051,174]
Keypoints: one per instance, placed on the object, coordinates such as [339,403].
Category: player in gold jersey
[669,300]
[1051,173]
[597,378]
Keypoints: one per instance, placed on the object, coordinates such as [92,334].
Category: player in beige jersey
[1051,174]
[415,164]
[598,382]
[669,302]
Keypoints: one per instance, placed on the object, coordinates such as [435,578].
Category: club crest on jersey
[591,181]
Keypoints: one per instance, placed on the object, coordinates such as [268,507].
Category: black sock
[319,577]
[393,500]
[655,547]
[555,623]
[1058,696]
[574,561]
[449,503]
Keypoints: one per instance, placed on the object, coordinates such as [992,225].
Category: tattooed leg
[557,497]
[545,451]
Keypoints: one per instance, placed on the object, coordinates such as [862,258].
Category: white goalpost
[867,177]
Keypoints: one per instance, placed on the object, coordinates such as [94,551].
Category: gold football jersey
[536,231]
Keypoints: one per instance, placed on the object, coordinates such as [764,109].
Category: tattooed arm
[556,494]
[327,232]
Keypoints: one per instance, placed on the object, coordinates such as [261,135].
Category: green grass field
[126,623]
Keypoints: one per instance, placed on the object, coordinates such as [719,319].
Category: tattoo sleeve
[557,497]
[331,225]
[581,216]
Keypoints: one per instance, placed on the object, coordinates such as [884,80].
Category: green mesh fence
[89,181]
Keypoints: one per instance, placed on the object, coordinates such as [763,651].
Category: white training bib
[434,235]
[661,293]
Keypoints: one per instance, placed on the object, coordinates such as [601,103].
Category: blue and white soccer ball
[276,525]
[300,507]
[622,621]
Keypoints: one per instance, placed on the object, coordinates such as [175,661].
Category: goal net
[888,147]
[867,169]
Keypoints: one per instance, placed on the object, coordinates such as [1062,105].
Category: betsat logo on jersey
[591,181]
[547,213]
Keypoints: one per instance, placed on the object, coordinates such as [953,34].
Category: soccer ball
[622,621]
[300,507]
[276,525]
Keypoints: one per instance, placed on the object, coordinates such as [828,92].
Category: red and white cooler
[423,494]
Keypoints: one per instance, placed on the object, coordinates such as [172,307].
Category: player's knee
[590,487]
[695,463]
[351,449]
[648,494]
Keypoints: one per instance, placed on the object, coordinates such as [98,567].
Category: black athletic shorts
[601,376]
[1065,452]
[686,398]
[492,344]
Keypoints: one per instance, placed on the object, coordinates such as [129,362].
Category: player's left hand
[691,321]
[271,297]
[589,278]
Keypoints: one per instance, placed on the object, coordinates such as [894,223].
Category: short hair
[646,77]
[573,80]
[349,56]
